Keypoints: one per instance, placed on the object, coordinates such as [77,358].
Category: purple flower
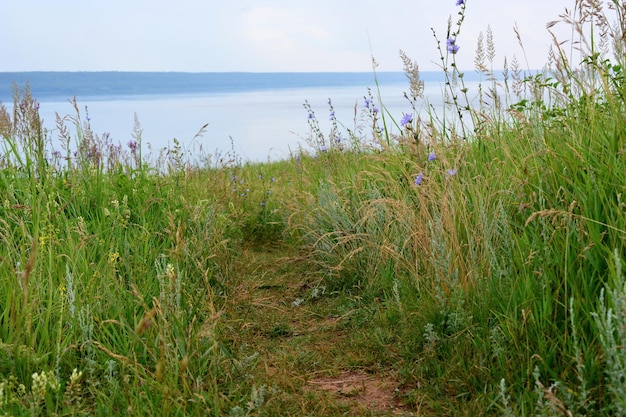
[418,179]
[367,102]
[453,48]
[132,145]
[460,2]
[406,119]
[432,156]
[332,115]
[375,109]
[311,116]
[323,148]
[451,172]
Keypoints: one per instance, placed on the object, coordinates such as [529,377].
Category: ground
[312,347]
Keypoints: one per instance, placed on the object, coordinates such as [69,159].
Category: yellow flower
[113,257]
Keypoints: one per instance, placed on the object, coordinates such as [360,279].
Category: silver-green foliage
[611,322]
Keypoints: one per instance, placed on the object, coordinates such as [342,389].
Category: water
[264,119]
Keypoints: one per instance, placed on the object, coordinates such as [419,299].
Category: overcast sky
[260,35]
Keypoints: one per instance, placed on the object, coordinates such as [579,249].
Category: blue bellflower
[453,48]
[406,119]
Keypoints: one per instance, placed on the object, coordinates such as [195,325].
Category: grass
[468,264]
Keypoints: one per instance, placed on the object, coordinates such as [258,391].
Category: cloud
[271,30]
[259,35]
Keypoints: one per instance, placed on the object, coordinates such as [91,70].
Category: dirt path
[313,349]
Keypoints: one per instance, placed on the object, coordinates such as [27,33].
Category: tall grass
[496,247]
[113,275]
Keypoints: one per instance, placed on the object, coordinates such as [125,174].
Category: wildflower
[323,148]
[432,156]
[41,382]
[367,102]
[332,115]
[419,178]
[374,109]
[451,172]
[76,375]
[460,2]
[453,48]
[311,116]
[133,145]
[170,271]
[406,119]
[73,394]
[38,388]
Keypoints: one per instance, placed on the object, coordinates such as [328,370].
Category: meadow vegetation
[468,264]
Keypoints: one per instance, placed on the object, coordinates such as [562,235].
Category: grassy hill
[469,265]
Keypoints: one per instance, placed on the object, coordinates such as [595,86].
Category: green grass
[455,268]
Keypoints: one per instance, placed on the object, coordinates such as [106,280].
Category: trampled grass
[461,266]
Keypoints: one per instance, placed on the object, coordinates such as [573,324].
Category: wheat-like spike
[521,44]
[479,58]
[6,127]
[491,47]
[505,75]
[411,70]
[516,76]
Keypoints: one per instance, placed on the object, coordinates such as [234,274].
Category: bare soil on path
[312,349]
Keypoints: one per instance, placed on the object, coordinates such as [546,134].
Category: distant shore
[54,85]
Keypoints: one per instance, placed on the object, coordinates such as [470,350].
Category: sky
[263,35]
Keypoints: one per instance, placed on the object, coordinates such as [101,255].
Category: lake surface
[260,115]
